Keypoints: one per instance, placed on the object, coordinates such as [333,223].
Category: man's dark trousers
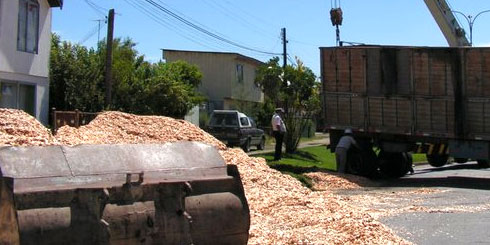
[279,137]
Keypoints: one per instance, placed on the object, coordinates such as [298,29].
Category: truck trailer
[402,100]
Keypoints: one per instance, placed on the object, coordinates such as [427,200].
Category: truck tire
[483,163]
[261,145]
[461,160]
[246,146]
[394,164]
[436,160]
[362,162]
[354,162]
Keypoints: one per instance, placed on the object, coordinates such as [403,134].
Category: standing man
[278,131]
[343,146]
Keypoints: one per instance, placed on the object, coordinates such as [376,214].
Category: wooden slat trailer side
[408,99]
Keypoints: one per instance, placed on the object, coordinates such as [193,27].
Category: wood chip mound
[282,210]
[18,128]
[327,181]
[285,212]
[117,128]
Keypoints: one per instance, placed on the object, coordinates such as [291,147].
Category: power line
[232,14]
[251,16]
[101,11]
[89,35]
[166,23]
[293,62]
[205,31]
[304,43]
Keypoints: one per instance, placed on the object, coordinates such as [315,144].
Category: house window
[18,96]
[239,73]
[28,26]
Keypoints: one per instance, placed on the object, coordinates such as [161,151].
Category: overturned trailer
[174,193]
[408,99]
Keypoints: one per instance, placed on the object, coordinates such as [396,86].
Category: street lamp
[471,20]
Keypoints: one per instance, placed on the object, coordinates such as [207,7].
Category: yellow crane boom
[453,32]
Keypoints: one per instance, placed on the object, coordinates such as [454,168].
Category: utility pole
[98,29]
[108,61]
[284,48]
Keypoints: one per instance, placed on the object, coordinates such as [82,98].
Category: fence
[74,118]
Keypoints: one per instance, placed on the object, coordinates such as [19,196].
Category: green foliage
[77,80]
[263,113]
[305,160]
[296,90]
[170,90]
[75,77]
[203,119]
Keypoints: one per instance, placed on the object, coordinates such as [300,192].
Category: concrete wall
[218,70]
[23,67]
[246,90]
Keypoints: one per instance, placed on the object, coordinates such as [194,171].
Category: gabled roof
[55,3]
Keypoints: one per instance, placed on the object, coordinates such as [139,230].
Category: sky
[254,26]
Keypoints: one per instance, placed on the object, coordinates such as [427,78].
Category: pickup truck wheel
[483,163]
[436,160]
[461,160]
[261,146]
[246,146]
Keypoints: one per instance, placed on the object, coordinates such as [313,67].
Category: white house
[25,41]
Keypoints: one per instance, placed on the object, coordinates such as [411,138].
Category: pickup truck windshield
[224,119]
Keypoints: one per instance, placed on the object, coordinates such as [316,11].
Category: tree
[295,89]
[75,77]
[171,89]
[77,80]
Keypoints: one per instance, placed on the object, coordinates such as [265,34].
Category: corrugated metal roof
[238,56]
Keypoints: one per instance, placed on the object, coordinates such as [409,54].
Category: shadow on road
[449,176]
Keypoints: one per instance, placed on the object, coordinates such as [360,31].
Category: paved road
[453,208]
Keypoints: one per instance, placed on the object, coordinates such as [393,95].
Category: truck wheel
[394,164]
[436,160]
[354,162]
[246,146]
[362,162]
[261,146]
[483,163]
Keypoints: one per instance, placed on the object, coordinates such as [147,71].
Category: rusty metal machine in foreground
[178,193]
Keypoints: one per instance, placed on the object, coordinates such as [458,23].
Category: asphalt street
[452,208]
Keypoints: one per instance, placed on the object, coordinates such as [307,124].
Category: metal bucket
[175,193]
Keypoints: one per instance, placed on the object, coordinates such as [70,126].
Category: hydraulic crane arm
[447,22]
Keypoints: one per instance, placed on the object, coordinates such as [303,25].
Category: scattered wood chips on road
[282,210]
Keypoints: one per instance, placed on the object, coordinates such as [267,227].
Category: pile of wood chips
[118,128]
[18,128]
[282,210]
[285,212]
